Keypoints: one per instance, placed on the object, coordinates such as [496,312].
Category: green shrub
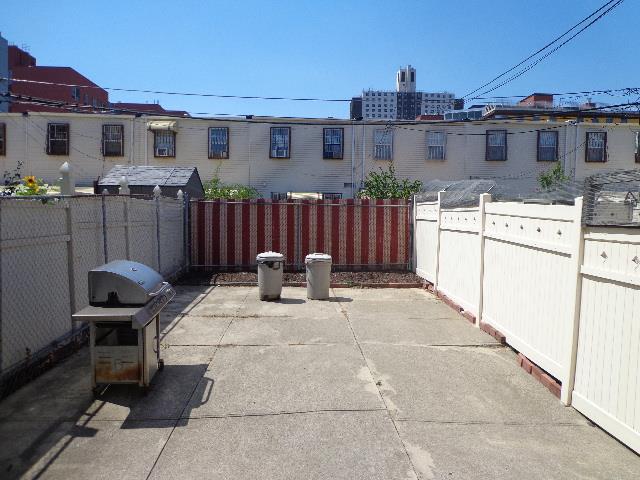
[214,189]
[384,184]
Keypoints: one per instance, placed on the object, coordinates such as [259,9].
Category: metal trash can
[270,266]
[318,275]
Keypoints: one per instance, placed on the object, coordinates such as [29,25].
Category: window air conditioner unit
[162,152]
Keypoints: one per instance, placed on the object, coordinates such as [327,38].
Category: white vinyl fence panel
[459,262]
[529,280]
[47,250]
[607,375]
[426,231]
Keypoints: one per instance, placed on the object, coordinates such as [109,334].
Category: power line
[555,40]
[184,94]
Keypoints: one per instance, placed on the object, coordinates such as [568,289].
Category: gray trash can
[318,275]
[270,266]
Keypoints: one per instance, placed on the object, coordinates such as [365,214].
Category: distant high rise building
[405,103]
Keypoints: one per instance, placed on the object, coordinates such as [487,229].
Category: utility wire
[555,40]
[273,120]
[624,90]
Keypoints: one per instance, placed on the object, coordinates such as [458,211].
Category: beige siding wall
[306,170]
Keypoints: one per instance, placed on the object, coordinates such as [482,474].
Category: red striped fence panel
[358,234]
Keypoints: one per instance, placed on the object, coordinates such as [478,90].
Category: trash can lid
[270,257]
[317,257]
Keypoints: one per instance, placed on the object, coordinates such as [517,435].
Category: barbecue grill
[125,301]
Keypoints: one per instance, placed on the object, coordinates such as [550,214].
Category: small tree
[385,184]
[552,177]
[214,189]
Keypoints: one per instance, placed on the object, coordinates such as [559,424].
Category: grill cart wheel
[160,364]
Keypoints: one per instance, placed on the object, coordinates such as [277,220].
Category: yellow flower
[30,181]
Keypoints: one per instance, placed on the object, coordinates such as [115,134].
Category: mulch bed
[338,279]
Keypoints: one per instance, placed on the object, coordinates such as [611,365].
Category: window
[280,139]
[218,142]
[58,139]
[383,144]
[596,147]
[402,76]
[496,147]
[164,143]
[547,146]
[75,93]
[637,150]
[3,139]
[435,145]
[333,143]
[113,140]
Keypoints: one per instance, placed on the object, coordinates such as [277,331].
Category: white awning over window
[162,125]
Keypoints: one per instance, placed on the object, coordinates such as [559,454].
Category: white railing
[564,296]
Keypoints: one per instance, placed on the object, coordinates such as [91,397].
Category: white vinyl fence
[565,296]
[47,249]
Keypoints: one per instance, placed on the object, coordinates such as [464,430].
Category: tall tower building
[406,80]
[405,103]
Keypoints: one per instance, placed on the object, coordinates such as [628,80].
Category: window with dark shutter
[164,143]
[547,146]
[596,147]
[333,143]
[113,140]
[496,145]
[58,139]
[280,140]
[218,142]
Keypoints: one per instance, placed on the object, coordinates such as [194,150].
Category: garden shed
[143,179]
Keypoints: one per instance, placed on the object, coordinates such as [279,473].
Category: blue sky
[329,49]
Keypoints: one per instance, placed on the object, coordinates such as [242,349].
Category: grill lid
[123,282]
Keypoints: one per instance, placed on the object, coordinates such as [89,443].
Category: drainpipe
[364,144]
[353,148]
[575,153]
[146,144]
[133,134]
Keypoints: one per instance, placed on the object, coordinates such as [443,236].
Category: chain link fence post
[156,195]
[104,225]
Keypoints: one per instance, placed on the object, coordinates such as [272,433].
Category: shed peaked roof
[150,175]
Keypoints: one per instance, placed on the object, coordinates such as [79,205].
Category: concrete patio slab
[424,329]
[462,384]
[288,331]
[293,304]
[221,302]
[398,307]
[288,394]
[335,445]
[550,452]
[384,294]
[261,380]
[187,298]
[102,450]
[191,330]
[61,393]
[169,393]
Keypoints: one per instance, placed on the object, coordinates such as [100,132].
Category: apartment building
[405,103]
[279,155]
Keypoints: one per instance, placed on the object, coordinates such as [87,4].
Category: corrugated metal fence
[358,234]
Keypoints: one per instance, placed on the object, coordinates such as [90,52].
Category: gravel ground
[211,278]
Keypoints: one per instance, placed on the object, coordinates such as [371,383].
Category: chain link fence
[47,247]
[611,199]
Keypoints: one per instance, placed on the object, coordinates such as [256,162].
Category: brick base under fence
[358,234]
